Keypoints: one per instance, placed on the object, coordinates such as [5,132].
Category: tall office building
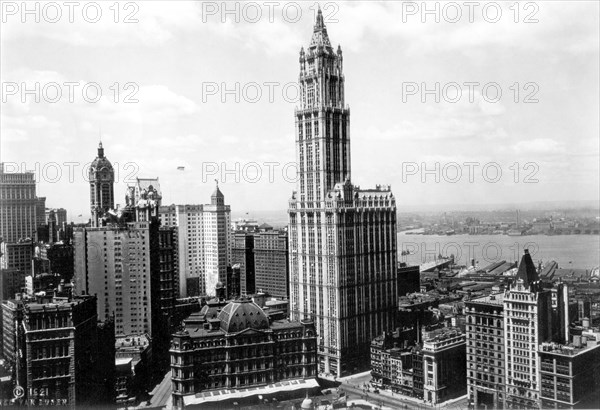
[62,351]
[217,245]
[102,181]
[18,205]
[117,259]
[271,263]
[342,239]
[242,254]
[188,220]
[204,242]
[527,324]
[17,255]
[113,263]
[40,212]
[485,351]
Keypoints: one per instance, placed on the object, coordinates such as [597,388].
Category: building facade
[113,263]
[204,242]
[217,242]
[271,261]
[62,351]
[17,255]
[444,366]
[527,324]
[239,348]
[570,374]
[485,351]
[18,205]
[242,254]
[342,239]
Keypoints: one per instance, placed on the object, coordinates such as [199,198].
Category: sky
[190,92]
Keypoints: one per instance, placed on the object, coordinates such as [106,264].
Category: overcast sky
[179,57]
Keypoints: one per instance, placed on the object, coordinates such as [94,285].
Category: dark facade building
[17,255]
[271,263]
[62,352]
[13,340]
[169,269]
[60,256]
[233,285]
[12,281]
[243,254]
[240,347]
[409,280]
[485,351]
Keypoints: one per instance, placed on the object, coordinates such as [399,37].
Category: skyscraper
[18,205]
[527,324]
[204,240]
[342,239]
[485,351]
[118,258]
[217,241]
[271,263]
[102,180]
[113,263]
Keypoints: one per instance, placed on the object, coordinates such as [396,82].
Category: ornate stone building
[527,324]
[102,180]
[342,239]
[238,348]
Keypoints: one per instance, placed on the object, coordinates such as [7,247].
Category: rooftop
[568,350]
[493,299]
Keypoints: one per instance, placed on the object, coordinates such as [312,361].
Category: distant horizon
[539,206]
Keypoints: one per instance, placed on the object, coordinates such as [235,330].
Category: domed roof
[101,162]
[242,314]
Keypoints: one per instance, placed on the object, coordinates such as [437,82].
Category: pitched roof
[527,270]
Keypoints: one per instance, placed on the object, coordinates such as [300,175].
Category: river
[570,251]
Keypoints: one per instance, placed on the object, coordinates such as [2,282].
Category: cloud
[538,146]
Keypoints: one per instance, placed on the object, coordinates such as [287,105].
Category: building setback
[342,240]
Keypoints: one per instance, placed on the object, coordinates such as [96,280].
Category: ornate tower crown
[102,179]
[320,37]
